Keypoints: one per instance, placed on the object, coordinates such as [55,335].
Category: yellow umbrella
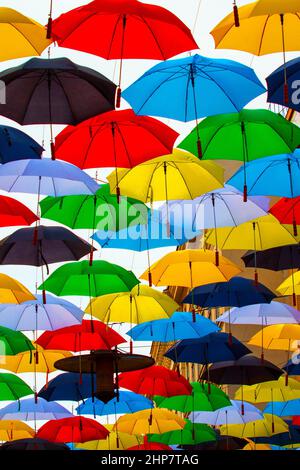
[265,392]
[12,430]
[253,446]
[139,305]
[155,421]
[277,337]
[114,441]
[30,361]
[20,36]
[266,427]
[12,291]
[290,285]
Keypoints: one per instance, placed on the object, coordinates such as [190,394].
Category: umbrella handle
[236,15]
[118,97]
[150,279]
[245,193]
[49,25]
[199,148]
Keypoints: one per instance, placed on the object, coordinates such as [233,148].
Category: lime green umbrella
[12,387]
[204,397]
[191,434]
[82,278]
[13,342]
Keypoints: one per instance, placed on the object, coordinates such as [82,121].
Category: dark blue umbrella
[278,92]
[16,145]
[215,347]
[282,439]
[238,292]
[292,367]
[69,386]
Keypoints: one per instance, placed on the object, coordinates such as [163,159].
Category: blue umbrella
[129,402]
[193,87]
[45,176]
[288,73]
[282,439]
[215,347]
[292,367]
[283,408]
[237,292]
[16,145]
[278,175]
[179,326]
[30,409]
[69,386]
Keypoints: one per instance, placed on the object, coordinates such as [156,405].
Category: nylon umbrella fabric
[75,429]
[191,434]
[16,145]
[12,429]
[277,337]
[115,441]
[231,414]
[12,387]
[33,361]
[268,426]
[261,314]
[68,386]
[12,291]
[275,259]
[281,408]
[14,213]
[13,342]
[290,285]
[287,211]
[29,409]
[161,421]
[274,390]
[292,366]
[283,79]
[32,444]
[127,402]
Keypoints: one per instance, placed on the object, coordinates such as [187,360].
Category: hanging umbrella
[287,211]
[32,444]
[179,326]
[155,380]
[113,139]
[37,361]
[12,291]
[231,414]
[21,36]
[276,337]
[193,87]
[222,443]
[12,387]
[114,441]
[81,278]
[150,446]
[261,314]
[68,387]
[215,347]
[75,429]
[291,285]
[275,259]
[16,145]
[289,439]
[29,409]
[13,212]
[292,366]
[237,292]
[149,421]
[191,434]
[127,402]
[13,342]
[282,408]
[87,336]
[11,430]
[268,426]
[281,85]
[274,390]
[203,397]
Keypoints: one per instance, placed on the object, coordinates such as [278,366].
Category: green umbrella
[12,387]
[191,434]
[204,397]
[13,342]
[81,278]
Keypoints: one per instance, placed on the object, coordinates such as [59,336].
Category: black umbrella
[275,259]
[33,444]
[222,443]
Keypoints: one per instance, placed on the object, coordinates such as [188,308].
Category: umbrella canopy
[289,439]
[55,91]
[292,367]
[282,408]
[36,315]
[75,429]
[237,292]
[87,336]
[127,402]
[261,314]
[13,342]
[68,387]
[191,268]
[268,426]
[12,291]
[215,347]
[203,397]
[115,441]
[16,145]
[291,285]
[179,175]
[191,434]
[180,325]
[155,380]
[37,361]
[275,259]
[22,36]
[193,87]
[281,88]
[81,278]
[139,305]
[13,388]
[112,139]
[32,444]
[29,409]
[222,443]
[45,177]
[276,337]
[13,213]
[149,422]
[150,446]
[11,430]
[274,390]
[287,211]
[41,246]
[231,414]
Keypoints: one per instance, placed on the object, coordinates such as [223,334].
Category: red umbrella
[114,139]
[90,335]
[14,213]
[150,446]
[155,380]
[77,429]
[296,421]
[287,211]
[123,29]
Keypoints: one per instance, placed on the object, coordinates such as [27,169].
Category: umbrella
[276,337]
[36,315]
[75,429]
[237,292]
[231,414]
[32,444]
[113,139]
[268,426]
[275,259]
[13,342]
[87,336]
[193,87]
[37,361]
[127,402]
[283,408]
[204,397]
[11,430]
[191,434]
[68,387]
[291,285]
[290,439]
[292,366]
[29,409]
[114,441]
[13,212]
[81,278]
[215,347]
[12,387]
[16,145]
[21,36]
[150,446]
[179,326]
[274,390]
[261,314]
[222,443]
[149,422]
[287,211]
[281,85]
[12,291]
[155,380]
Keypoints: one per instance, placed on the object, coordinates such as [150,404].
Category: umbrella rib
[213,136]
[59,82]
[13,25]
[187,186]
[113,34]
[262,36]
[124,142]
[91,142]
[154,37]
[36,84]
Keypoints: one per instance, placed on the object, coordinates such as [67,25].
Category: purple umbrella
[273,313]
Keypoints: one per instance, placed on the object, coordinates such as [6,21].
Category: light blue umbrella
[228,415]
[129,402]
[273,313]
[193,87]
[283,408]
[36,315]
[45,176]
[29,409]
[179,326]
